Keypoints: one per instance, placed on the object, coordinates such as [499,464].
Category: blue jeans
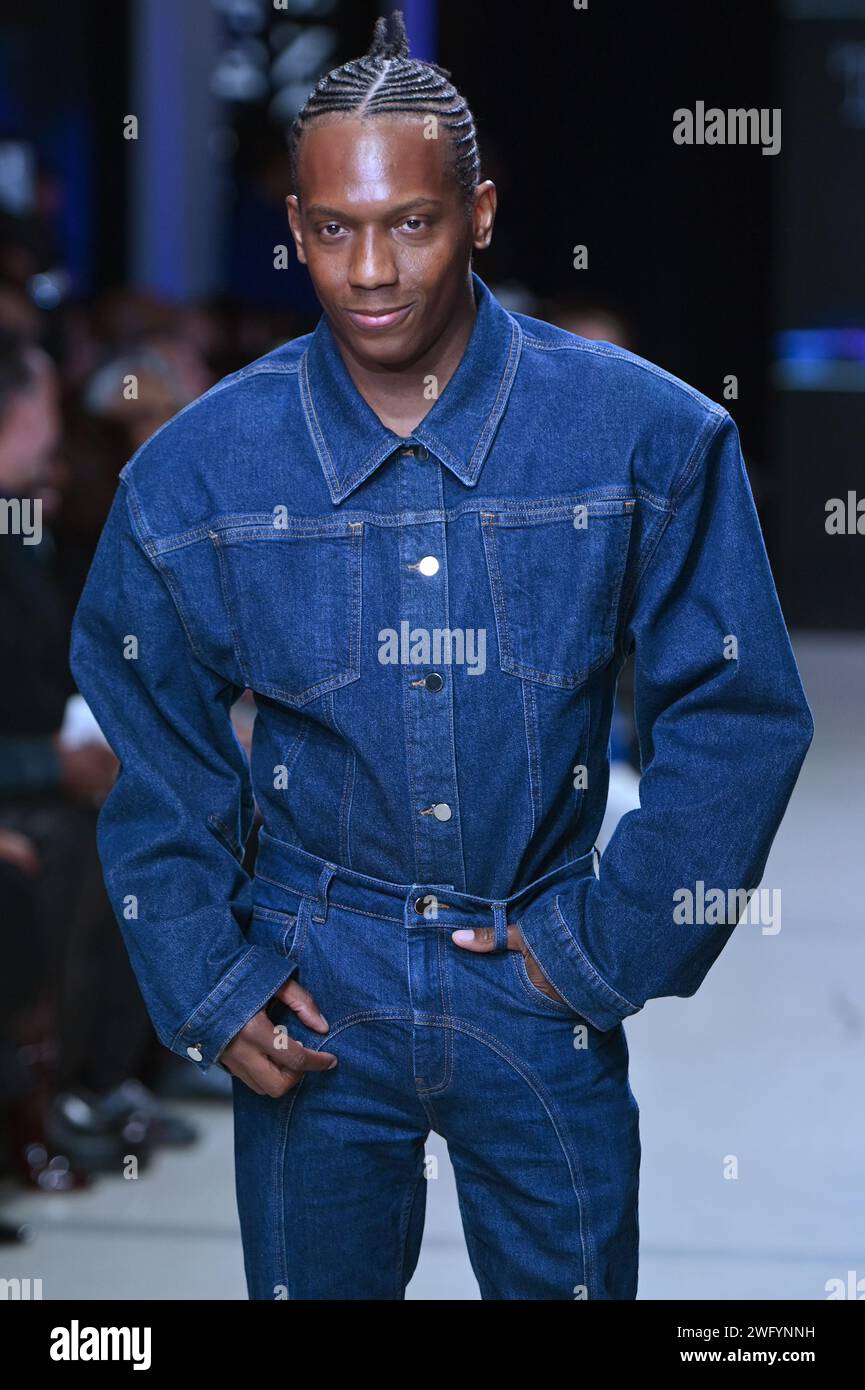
[533,1101]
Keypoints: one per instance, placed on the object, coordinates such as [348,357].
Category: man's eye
[329,225]
[417,221]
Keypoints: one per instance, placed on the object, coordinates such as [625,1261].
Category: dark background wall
[716,257]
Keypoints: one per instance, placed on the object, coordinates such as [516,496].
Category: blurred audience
[84,1083]
[73,1037]
[588,319]
[83,384]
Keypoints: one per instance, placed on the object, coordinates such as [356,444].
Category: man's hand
[483,939]
[265,1058]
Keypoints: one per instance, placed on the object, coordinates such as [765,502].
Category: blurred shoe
[98,1140]
[15,1233]
[42,1168]
[37,1161]
[33,1155]
[132,1098]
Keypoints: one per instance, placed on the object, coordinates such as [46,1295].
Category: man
[427,536]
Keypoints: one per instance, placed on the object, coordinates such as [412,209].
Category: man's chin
[391,350]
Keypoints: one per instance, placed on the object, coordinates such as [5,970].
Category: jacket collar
[459,428]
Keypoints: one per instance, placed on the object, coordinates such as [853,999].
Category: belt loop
[500,920]
[322,887]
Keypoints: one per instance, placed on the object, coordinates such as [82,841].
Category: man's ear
[292,207]
[484,214]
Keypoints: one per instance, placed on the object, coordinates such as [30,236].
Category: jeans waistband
[304,874]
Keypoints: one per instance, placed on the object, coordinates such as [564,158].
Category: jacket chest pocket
[293,598]
[555,575]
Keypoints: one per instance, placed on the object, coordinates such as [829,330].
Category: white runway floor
[765,1063]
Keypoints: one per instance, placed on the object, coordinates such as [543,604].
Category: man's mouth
[378,319]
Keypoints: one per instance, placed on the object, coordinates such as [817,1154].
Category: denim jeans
[533,1101]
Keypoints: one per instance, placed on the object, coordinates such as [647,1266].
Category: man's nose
[373,262]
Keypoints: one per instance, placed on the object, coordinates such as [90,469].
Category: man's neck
[400,396]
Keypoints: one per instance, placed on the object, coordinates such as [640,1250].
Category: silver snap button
[442,811]
[428,565]
[195,1053]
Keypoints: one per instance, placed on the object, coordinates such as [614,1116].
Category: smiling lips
[378,319]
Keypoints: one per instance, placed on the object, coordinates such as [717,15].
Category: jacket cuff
[248,987]
[552,941]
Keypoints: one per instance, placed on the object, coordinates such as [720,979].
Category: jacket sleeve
[171,831]
[723,727]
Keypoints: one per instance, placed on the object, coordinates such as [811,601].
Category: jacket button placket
[428,705]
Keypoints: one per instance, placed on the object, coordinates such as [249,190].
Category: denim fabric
[562,504]
[541,1125]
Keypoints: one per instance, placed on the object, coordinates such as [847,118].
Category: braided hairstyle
[386,81]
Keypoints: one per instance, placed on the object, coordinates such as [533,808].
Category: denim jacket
[433,628]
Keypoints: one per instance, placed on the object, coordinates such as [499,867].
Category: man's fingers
[267,1074]
[288,1054]
[301,1002]
[479,939]
[282,1050]
[484,938]
[267,1059]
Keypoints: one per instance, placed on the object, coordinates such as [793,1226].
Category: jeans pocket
[555,572]
[283,932]
[528,986]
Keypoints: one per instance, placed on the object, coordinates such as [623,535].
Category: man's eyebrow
[414,203]
[319,209]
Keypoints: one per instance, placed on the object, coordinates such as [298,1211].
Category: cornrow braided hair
[386,81]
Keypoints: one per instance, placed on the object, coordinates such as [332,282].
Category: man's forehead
[371,161]
[364,202]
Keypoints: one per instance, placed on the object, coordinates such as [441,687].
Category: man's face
[385,234]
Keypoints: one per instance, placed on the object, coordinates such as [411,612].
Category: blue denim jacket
[433,628]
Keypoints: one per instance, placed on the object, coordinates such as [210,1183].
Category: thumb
[475,938]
